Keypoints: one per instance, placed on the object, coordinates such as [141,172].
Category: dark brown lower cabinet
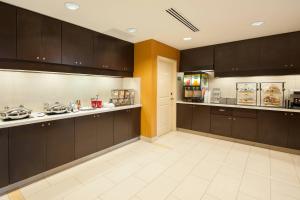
[27,151]
[105,130]
[4,178]
[184,116]
[244,128]
[135,124]
[85,135]
[201,118]
[221,125]
[60,142]
[121,126]
[273,128]
[294,134]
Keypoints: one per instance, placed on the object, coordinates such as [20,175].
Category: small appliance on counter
[195,85]
[15,113]
[295,99]
[122,97]
[56,108]
[215,96]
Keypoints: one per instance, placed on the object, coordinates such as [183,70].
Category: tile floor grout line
[163,173]
[270,175]
[189,174]
[244,172]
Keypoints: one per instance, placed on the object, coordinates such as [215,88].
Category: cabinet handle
[221,110]
[234,119]
[76,62]
[237,69]
[292,114]
[232,69]
[285,114]
[95,116]
[44,58]
[49,124]
[291,65]
[42,125]
[37,57]
[229,118]
[286,65]
[80,63]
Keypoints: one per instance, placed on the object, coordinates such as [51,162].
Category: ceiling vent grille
[182,19]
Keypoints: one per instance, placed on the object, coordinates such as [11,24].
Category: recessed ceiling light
[258,23]
[187,38]
[131,30]
[71,5]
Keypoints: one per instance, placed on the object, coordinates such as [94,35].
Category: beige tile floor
[178,166]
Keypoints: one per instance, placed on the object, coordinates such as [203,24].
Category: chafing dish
[56,108]
[15,113]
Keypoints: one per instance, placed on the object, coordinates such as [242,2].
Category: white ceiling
[218,20]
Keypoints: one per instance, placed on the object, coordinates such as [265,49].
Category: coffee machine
[295,99]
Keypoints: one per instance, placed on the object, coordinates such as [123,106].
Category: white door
[166,72]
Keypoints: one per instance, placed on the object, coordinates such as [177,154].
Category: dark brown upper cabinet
[226,57]
[112,53]
[8,31]
[294,40]
[39,37]
[274,52]
[4,178]
[248,55]
[197,59]
[77,45]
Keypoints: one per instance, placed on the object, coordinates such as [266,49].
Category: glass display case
[272,94]
[246,93]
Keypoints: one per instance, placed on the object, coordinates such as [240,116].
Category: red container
[98,103]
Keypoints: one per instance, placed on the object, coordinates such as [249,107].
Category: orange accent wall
[145,67]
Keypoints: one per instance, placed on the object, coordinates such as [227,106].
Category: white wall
[34,89]
[228,85]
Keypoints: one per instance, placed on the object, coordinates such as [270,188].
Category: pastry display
[247,94]
[272,94]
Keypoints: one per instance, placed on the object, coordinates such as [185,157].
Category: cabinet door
[294,50]
[273,128]
[274,52]
[77,45]
[106,53]
[8,31]
[105,130]
[121,126]
[29,25]
[4,180]
[221,125]
[85,136]
[126,56]
[248,55]
[201,118]
[135,123]
[197,59]
[226,57]
[51,40]
[184,116]
[27,151]
[60,142]
[244,128]
[294,136]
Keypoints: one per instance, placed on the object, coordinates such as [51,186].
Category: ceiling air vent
[182,19]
